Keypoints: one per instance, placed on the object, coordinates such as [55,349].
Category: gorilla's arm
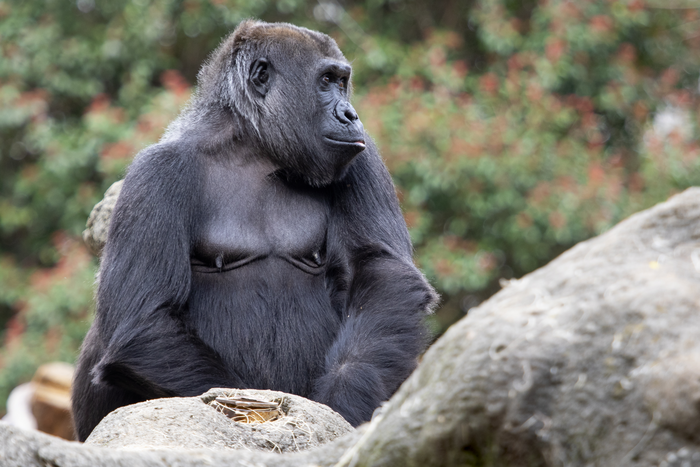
[145,282]
[383,328]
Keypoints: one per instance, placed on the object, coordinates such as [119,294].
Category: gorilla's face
[301,89]
[340,128]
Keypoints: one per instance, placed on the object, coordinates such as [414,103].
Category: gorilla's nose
[345,113]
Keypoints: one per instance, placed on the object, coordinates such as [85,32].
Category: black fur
[258,245]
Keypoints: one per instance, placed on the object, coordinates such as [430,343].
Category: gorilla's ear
[261,76]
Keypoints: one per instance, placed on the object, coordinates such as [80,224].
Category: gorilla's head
[290,87]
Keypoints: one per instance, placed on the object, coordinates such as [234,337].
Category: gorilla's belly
[269,320]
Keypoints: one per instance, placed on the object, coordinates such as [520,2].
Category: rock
[592,360]
[29,448]
[50,401]
[198,422]
[95,234]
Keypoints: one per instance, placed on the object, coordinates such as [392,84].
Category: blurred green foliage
[513,129]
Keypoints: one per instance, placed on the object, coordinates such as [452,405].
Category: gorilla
[259,244]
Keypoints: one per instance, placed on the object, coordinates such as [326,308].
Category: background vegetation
[513,129]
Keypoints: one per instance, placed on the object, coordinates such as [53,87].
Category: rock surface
[95,233]
[25,448]
[593,360]
[193,422]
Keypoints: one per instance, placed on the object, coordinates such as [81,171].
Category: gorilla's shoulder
[170,155]
[161,166]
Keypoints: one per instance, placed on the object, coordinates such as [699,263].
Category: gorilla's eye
[342,83]
[326,79]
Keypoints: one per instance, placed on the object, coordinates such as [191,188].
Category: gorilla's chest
[259,296]
[246,215]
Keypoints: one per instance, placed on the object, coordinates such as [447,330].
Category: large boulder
[592,360]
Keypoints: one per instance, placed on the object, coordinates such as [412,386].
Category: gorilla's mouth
[358,144]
